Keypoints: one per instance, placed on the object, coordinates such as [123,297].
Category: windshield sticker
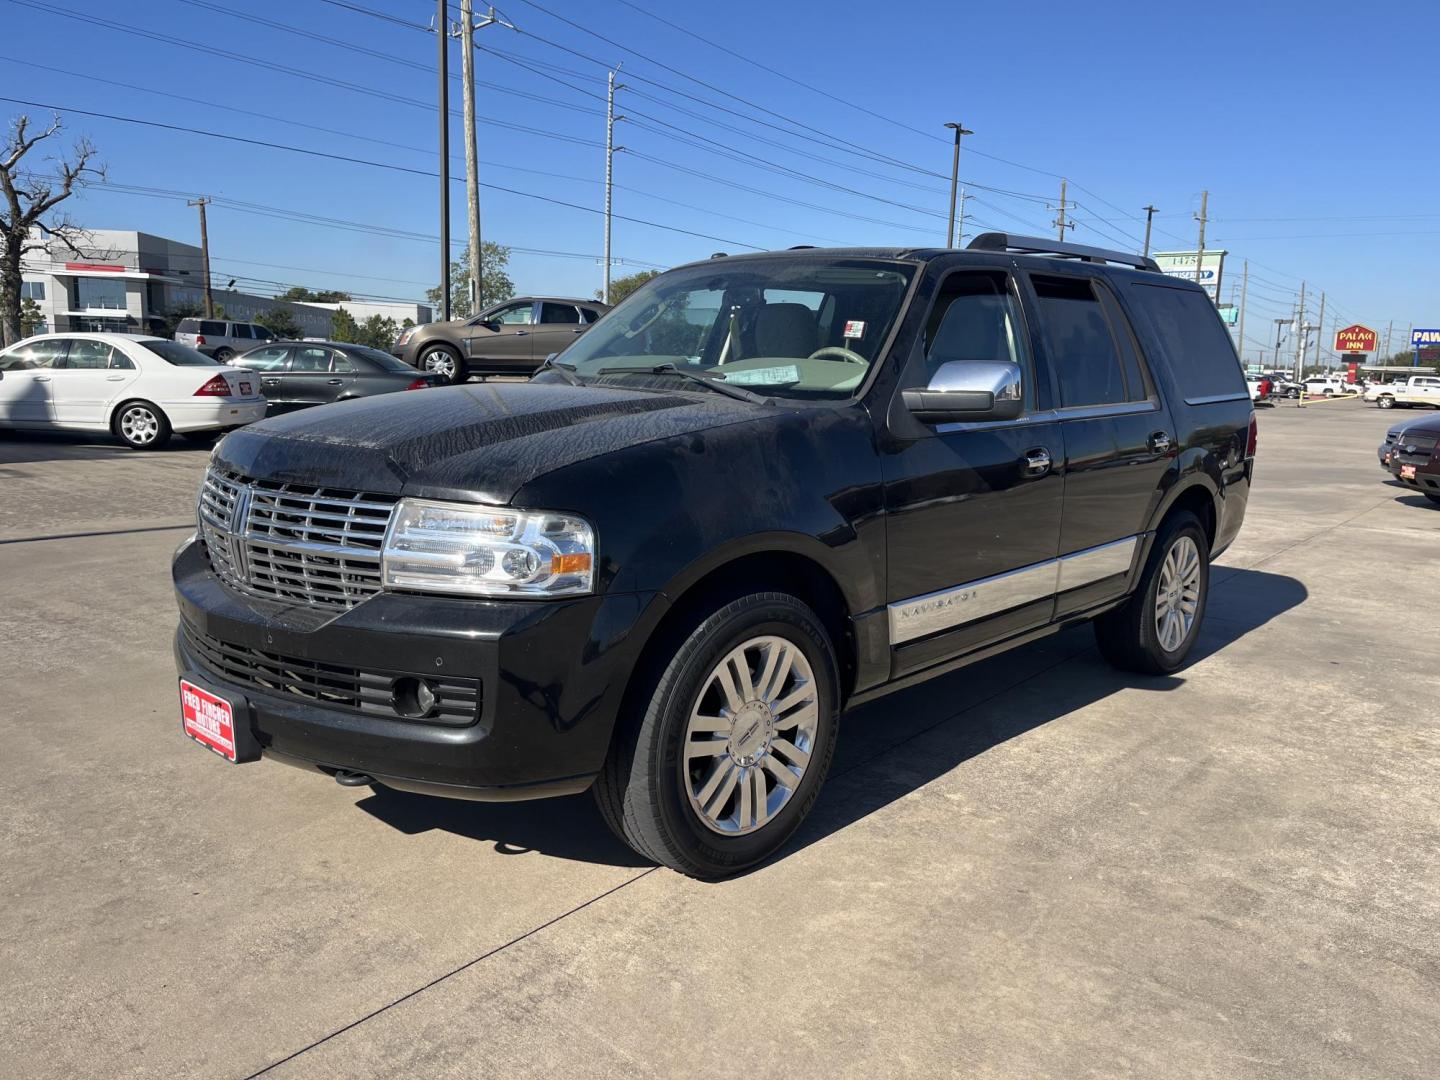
[854,328]
[767,376]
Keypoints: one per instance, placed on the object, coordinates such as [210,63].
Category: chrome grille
[293,542]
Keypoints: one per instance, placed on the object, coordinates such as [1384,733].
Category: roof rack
[1035,245]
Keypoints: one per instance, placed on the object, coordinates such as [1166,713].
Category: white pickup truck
[1416,390]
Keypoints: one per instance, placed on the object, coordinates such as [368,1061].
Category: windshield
[180,355]
[794,327]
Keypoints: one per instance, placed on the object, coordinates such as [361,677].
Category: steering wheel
[835,352]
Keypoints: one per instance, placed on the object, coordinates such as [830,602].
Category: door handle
[521,333]
[1037,462]
[1160,442]
[334,382]
[42,378]
[114,378]
[579,331]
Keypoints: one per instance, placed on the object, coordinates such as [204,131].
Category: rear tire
[141,425]
[1150,633]
[446,362]
[1385,402]
[718,763]
[222,356]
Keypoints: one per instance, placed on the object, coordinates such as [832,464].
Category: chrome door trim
[1051,416]
[1094,564]
[920,616]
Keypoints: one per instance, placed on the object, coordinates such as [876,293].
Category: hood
[486,440]
[1427,426]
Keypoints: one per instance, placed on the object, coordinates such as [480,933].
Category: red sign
[207,719]
[95,266]
[1352,372]
[1355,338]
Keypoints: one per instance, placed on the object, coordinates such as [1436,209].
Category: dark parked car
[1414,458]
[765,489]
[298,374]
[507,339]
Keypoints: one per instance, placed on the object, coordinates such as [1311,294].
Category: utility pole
[1388,330]
[202,202]
[1300,343]
[1244,288]
[1150,213]
[443,64]
[960,221]
[1320,330]
[610,150]
[1414,349]
[1061,223]
[1200,254]
[468,25]
[959,129]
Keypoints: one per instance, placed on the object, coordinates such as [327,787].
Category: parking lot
[1034,867]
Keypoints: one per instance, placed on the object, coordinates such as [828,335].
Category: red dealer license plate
[244,389]
[1407,472]
[208,719]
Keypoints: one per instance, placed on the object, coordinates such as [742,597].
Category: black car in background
[298,374]
[762,490]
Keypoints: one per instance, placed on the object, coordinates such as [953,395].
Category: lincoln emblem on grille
[239,522]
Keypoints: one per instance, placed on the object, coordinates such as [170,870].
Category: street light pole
[1149,214]
[959,130]
[443,63]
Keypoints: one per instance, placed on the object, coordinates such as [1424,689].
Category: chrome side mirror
[962,392]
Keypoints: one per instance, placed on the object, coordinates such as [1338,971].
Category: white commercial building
[360,310]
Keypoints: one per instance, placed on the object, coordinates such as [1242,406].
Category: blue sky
[1308,124]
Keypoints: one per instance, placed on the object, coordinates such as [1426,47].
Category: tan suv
[510,338]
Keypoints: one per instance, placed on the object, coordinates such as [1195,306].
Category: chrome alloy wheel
[750,735]
[440,362]
[1177,594]
[139,425]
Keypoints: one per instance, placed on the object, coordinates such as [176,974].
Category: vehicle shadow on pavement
[1417,500]
[18,448]
[887,748]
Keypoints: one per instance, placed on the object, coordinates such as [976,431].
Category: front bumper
[405,352]
[550,679]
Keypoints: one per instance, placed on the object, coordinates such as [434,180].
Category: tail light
[1254,437]
[418,384]
[199,339]
[216,387]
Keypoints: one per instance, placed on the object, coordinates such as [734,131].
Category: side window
[1081,345]
[188,326]
[340,362]
[241,330]
[588,315]
[975,319]
[120,362]
[1197,345]
[271,359]
[514,315]
[262,333]
[87,355]
[311,359]
[38,354]
[558,313]
[212,329]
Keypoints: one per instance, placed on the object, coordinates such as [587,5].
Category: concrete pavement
[1035,867]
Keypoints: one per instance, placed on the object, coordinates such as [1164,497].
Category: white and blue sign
[1424,337]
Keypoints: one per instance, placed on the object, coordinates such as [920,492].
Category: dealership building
[126,282]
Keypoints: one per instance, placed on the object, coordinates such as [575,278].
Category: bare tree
[26,219]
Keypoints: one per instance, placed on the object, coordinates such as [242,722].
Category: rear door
[26,375]
[559,325]
[269,364]
[92,375]
[1118,435]
[313,378]
[502,340]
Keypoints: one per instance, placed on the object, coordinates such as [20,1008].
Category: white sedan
[138,388]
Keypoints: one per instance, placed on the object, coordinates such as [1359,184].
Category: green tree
[495,284]
[379,332]
[324,296]
[281,323]
[622,287]
[343,326]
[31,317]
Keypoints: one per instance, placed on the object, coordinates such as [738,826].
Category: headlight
[405,336]
[485,551]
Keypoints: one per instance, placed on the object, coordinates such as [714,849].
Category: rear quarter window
[1197,346]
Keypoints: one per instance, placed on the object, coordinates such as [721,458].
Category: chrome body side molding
[921,616]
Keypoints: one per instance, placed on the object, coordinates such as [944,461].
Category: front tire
[1154,631]
[731,740]
[446,363]
[141,425]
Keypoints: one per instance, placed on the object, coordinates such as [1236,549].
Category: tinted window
[212,329]
[188,326]
[311,359]
[558,313]
[588,315]
[261,333]
[1197,345]
[88,355]
[1081,346]
[267,359]
[241,330]
[172,352]
[38,354]
[975,319]
[340,362]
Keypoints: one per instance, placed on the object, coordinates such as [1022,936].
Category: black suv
[761,490]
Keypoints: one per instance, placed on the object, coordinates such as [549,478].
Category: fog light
[412,698]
